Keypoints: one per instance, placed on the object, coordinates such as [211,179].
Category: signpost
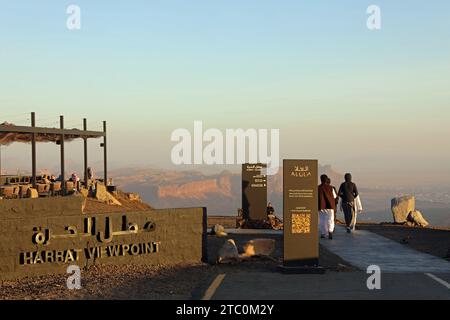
[254,191]
[300,212]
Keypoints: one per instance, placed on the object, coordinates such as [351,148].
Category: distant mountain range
[221,193]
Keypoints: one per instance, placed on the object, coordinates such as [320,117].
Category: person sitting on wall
[76,180]
[45,179]
[270,210]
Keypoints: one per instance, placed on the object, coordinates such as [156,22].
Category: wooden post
[85,155]
[33,151]
[63,169]
[0,162]
[105,155]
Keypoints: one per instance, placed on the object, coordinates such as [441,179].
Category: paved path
[405,274]
[364,248]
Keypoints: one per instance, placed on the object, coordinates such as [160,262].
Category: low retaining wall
[45,236]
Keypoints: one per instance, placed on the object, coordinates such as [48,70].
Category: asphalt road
[330,286]
[404,274]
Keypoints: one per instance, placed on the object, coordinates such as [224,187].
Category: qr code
[301,223]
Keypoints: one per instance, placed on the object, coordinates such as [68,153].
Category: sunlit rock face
[401,207]
[221,192]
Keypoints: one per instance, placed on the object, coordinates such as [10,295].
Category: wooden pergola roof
[10,133]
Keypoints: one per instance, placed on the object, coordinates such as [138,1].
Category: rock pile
[272,223]
[102,195]
[259,247]
[404,212]
[229,252]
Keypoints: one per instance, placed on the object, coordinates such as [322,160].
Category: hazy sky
[372,102]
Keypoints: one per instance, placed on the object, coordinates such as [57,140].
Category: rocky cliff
[221,193]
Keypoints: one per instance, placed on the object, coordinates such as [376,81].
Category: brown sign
[301,243]
[254,191]
[43,238]
[46,235]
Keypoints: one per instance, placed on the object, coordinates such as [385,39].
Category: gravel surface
[112,282]
[144,282]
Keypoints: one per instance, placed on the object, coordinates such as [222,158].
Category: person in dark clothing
[327,207]
[270,209]
[348,192]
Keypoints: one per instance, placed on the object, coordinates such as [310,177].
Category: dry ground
[150,282]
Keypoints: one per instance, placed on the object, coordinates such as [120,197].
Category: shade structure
[10,133]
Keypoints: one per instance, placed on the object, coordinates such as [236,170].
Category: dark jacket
[326,197]
[348,190]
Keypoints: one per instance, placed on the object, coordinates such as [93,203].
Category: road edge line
[213,287]
[439,280]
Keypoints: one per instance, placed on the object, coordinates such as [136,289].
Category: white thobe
[326,220]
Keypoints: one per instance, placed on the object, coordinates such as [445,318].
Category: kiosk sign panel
[300,204]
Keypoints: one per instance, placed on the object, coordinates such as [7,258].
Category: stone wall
[45,236]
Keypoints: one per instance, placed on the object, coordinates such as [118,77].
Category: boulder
[401,207]
[259,247]
[219,231]
[417,219]
[221,234]
[102,194]
[32,193]
[213,247]
[228,253]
